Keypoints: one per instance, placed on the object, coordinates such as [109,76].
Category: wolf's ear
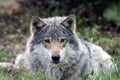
[37,24]
[70,23]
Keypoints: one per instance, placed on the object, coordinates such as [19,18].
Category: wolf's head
[51,36]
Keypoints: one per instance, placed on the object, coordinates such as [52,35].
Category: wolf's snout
[55,57]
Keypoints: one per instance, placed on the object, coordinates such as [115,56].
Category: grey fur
[78,58]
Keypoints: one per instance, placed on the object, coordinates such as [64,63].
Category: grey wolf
[55,47]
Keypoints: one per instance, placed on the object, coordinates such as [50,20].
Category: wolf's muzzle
[55,58]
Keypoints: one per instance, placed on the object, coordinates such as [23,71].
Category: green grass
[23,75]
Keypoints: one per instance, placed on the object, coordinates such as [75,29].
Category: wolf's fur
[77,57]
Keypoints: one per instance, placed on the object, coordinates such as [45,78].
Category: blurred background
[98,21]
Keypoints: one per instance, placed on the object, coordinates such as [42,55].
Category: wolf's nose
[55,57]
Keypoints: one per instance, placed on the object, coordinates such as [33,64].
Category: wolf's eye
[47,41]
[62,40]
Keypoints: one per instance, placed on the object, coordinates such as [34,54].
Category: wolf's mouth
[55,62]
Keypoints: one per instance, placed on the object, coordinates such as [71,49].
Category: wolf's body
[55,47]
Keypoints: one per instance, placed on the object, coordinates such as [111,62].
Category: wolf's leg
[19,61]
[106,61]
[16,64]
[5,65]
[72,78]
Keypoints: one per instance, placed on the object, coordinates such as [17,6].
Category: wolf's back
[100,60]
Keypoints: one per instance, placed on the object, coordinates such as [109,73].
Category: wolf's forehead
[55,32]
[54,20]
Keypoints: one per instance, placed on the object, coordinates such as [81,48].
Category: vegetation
[98,21]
